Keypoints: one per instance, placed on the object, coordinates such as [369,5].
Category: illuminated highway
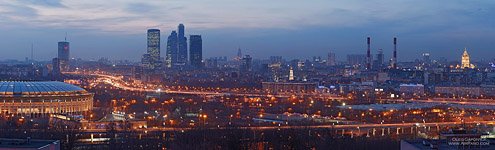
[118,82]
[352,126]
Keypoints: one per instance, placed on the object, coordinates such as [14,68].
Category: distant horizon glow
[116,29]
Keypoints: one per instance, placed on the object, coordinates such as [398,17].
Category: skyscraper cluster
[176,55]
[177,49]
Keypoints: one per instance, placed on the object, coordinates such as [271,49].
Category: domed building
[35,98]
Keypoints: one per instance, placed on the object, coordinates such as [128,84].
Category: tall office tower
[196,50]
[394,57]
[380,59]
[331,59]
[63,55]
[368,54]
[154,47]
[182,44]
[246,65]
[172,50]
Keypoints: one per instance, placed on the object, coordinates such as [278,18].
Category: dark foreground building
[29,144]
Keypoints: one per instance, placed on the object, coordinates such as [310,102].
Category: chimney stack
[368,55]
[394,59]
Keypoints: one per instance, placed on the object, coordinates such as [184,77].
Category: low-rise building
[488,90]
[458,91]
[289,87]
[412,90]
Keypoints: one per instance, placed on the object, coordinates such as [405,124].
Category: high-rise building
[63,55]
[379,59]
[182,46]
[196,50]
[331,59]
[63,50]
[465,60]
[246,65]
[172,49]
[154,48]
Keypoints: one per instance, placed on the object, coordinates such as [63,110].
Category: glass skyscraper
[182,46]
[63,55]
[196,50]
[63,50]
[172,50]
[154,48]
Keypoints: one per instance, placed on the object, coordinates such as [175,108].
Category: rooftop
[20,88]
[24,143]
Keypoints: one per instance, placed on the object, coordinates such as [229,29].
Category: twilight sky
[116,29]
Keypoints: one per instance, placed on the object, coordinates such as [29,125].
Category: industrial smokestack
[394,59]
[368,55]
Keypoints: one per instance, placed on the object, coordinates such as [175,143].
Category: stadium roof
[37,88]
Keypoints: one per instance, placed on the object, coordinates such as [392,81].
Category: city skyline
[257,74]
[280,33]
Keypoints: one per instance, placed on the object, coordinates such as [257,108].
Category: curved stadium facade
[41,98]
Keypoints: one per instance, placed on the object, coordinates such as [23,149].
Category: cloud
[132,16]
[140,8]
[14,11]
[49,3]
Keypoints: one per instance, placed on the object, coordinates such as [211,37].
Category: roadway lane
[353,126]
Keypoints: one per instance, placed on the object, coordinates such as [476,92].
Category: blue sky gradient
[116,29]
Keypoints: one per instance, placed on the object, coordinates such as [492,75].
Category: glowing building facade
[465,62]
[42,98]
[153,49]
